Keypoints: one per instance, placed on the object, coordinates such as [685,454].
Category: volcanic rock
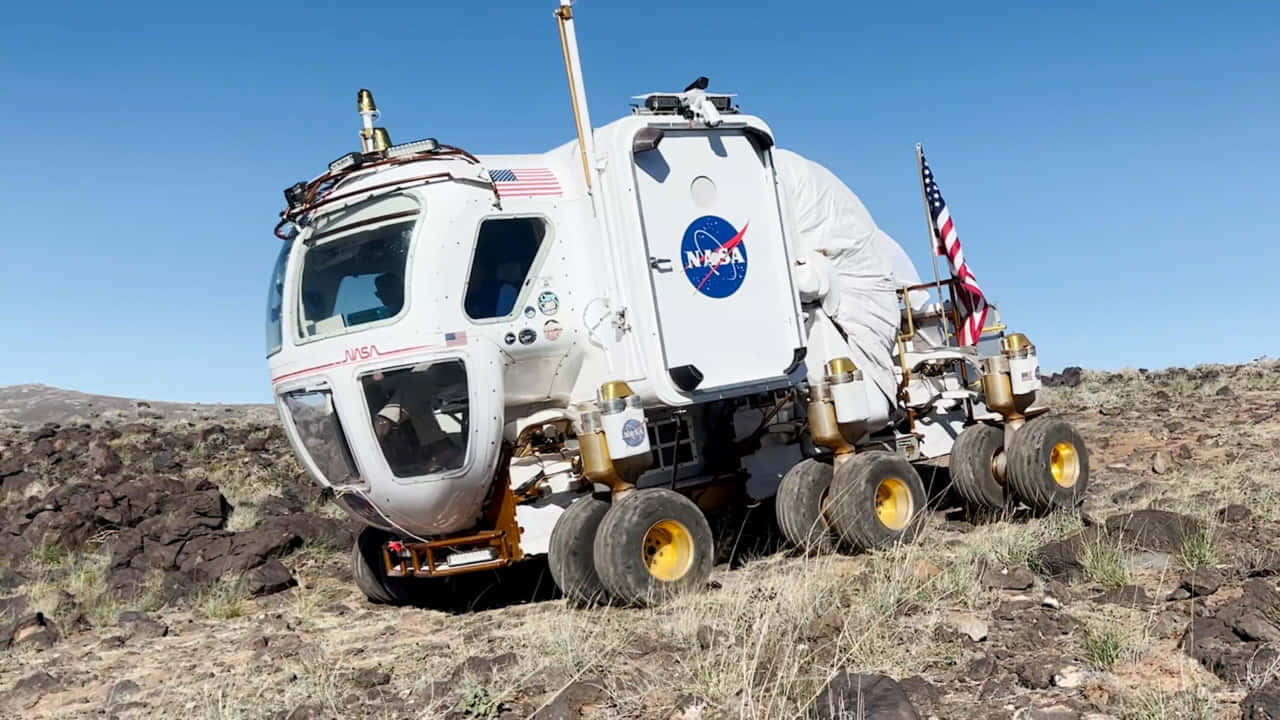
[850,695]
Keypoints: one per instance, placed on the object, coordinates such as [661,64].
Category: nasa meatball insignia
[714,255]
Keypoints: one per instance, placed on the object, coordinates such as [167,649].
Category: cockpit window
[420,416]
[505,251]
[354,280]
[275,300]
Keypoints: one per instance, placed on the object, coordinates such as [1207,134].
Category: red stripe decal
[375,352]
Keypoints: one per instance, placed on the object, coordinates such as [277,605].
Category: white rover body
[576,352]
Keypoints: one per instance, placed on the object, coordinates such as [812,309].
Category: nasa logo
[633,433]
[364,352]
[714,256]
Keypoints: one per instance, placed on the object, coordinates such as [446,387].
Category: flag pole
[933,232]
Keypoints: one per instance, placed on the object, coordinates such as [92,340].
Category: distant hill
[34,405]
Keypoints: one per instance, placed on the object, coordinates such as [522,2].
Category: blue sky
[1110,166]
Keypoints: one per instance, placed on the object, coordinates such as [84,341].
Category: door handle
[662,265]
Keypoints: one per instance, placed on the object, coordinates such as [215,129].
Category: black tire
[1048,464]
[653,544]
[972,467]
[571,556]
[877,499]
[369,570]
[799,506]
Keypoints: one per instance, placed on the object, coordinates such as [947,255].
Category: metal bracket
[620,322]
[662,265]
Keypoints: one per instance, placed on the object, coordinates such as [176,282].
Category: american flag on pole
[525,182]
[973,304]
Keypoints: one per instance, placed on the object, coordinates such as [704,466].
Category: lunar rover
[579,353]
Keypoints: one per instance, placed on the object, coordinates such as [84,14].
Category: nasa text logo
[633,433]
[714,256]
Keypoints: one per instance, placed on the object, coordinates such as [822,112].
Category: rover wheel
[973,467]
[1047,465]
[877,500]
[651,544]
[571,556]
[370,572]
[799,506]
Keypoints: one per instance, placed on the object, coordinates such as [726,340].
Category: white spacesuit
[845,262]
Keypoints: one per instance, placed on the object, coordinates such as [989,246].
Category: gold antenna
[368,114]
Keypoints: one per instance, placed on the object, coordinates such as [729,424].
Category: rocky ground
[175,561]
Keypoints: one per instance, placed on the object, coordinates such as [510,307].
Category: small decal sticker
[633,433]
[527,336]
[529,312]
[551,330]
[714,256]
[548,303]
[510,339]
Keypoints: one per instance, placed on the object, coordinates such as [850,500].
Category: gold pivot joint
[1015,342]
[615,390]
[840,366]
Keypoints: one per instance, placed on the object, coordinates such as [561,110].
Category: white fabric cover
[825,219]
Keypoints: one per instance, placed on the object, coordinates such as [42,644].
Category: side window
[353,280]
[275,299]
[505,251]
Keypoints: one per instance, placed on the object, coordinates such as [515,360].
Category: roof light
[349,161]
[723,103]
[295,195]
[425,145]
[662,103]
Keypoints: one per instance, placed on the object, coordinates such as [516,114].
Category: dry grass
[243,517]
[83,576]
[318,682]
[1156,705]
[1105,646]
[1104,563]
[222,599]
[1199,549]
[768,639]
[246,483]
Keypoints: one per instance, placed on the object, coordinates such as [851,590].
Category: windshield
[420,416]
[275,299]
[354,280]
[321,435]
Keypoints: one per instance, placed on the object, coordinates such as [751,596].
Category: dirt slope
[34,405]
[186,567]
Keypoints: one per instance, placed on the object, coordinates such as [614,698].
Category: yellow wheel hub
[1064,463]
[668,550]
[894,506]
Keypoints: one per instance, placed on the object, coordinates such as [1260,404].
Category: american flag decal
[455,339]
[525,182]
[973,304]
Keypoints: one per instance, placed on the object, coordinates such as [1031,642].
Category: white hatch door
[718,262]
